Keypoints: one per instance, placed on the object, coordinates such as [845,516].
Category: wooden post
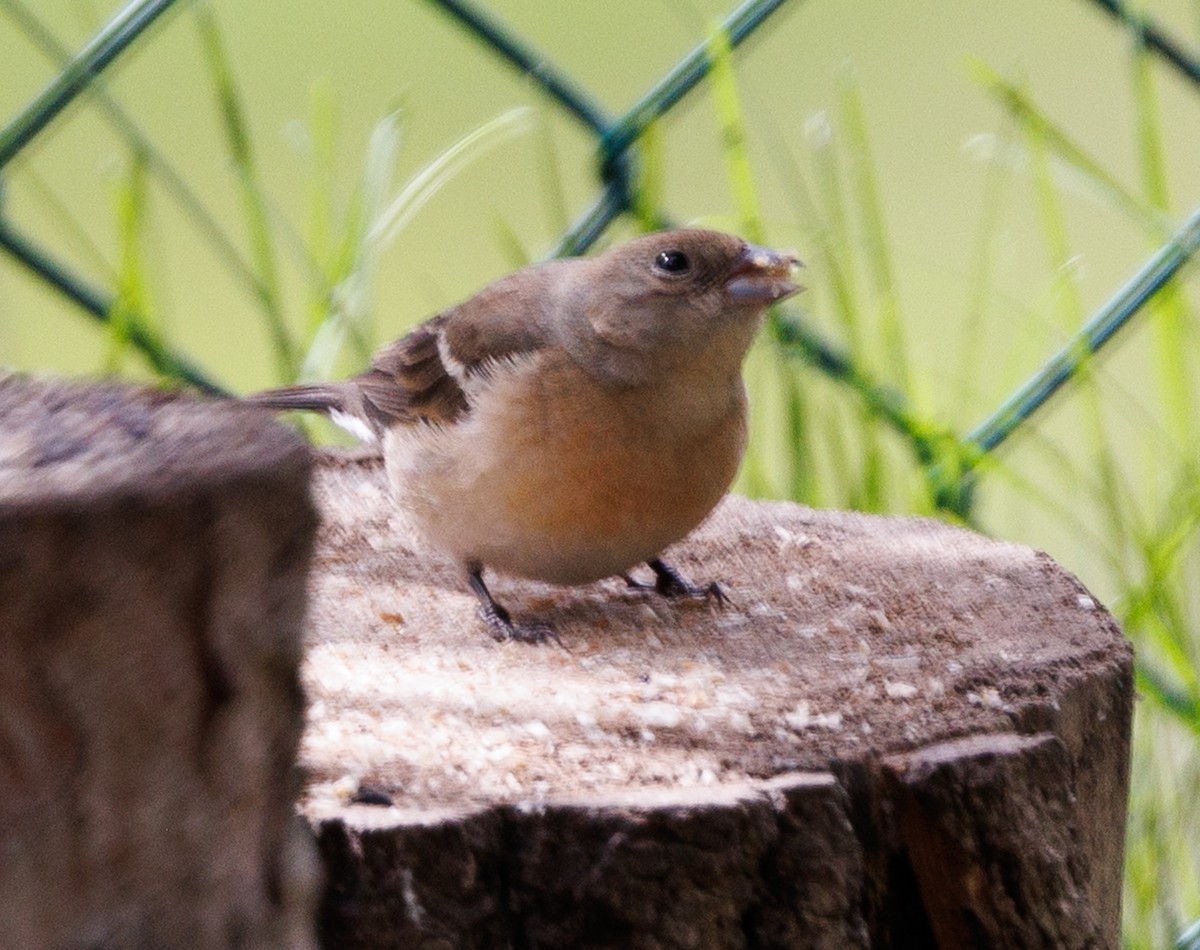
[153,554]
[899,734]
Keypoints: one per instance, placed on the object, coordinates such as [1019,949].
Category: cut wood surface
[898,733]
[153,556]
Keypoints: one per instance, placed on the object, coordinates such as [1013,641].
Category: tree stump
[153,556]
[898,734]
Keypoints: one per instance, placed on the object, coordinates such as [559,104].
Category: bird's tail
[310,397]
[336,400]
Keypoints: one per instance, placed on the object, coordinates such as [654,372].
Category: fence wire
[948,458]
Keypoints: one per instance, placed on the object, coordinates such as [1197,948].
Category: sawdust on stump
[846,634]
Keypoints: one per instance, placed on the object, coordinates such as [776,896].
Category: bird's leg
[498,620]
[669,583]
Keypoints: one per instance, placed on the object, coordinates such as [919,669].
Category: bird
[572,419]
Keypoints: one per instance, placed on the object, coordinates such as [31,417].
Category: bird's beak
[763,275]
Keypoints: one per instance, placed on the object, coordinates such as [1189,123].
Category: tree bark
[153,556]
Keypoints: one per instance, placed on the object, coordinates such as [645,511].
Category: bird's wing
[425,375]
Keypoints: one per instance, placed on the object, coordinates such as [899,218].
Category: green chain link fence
[949,459]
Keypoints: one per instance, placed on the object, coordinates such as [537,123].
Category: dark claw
[499,622]
[669,583]
[534,633]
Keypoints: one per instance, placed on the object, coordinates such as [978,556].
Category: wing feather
[425,376]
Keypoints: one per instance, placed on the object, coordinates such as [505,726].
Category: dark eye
[672,262]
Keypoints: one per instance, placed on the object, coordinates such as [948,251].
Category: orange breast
[557,478]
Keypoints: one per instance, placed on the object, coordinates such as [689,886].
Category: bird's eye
[672,262]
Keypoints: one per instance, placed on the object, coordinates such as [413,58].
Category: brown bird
[572,419]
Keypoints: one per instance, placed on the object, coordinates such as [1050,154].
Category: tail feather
[335,401]
[313,397]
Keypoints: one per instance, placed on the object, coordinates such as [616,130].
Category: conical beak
[763,275]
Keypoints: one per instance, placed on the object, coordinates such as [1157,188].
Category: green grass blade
[254,201]
[1066,306]
[66,224]
[843,468]
[131,295]
[876,258]
[342,310]
[648,182]
[422,187]
[1169,312]
[754,479]
[171,183]
[1096,334]
[733,134]
[549,173]
[513,249]
[877,253]
[1154,607]
[1062,511]
[319,194]
[56,274]
[1022,108]
[1149,131]
[980,292]
[361,248]
[1068,310]
[837,258]
[762,370]
[837,261]
[684,76]
[803,484]
[130,21]
[833,289]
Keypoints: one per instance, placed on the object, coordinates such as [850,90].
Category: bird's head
[677,296]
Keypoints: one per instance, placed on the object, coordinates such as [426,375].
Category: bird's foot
[669,583]
[500,627]
[498,620]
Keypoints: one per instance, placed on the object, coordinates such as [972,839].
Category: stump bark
[898,734]
[153,555]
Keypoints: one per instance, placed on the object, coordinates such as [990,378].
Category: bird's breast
[555,476]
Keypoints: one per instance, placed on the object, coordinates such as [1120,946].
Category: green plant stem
[615,137]
[162,358]
[254,199]
[684,77]
[1090,339]
[1039,126]
[888,404]
[156,161]
[129,23]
